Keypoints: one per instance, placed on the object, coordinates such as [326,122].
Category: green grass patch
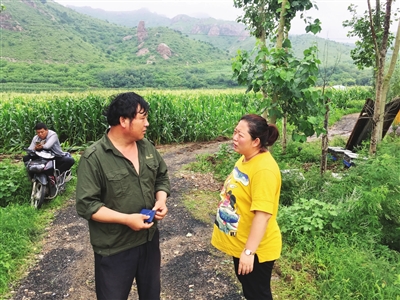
[202,205]
[22,226]
[340,230]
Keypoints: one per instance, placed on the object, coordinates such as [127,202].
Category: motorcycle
[47,182]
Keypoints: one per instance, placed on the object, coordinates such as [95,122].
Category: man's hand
[137,222]
[134,221]
[161,209]
[38,147]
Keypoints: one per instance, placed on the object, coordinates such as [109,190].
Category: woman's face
[242,141]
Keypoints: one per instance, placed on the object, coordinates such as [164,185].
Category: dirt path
[190,268]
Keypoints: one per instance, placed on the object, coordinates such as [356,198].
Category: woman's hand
[246,264]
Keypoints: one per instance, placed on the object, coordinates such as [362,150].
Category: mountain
[42,37]
[227,35]
[45,45]
[46,31]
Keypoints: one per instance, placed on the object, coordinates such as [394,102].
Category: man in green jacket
[118,176]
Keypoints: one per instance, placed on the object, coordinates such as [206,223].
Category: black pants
[63,163]
[114,274]
[257,284]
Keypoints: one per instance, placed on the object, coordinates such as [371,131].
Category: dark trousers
[257,284]
[114,274]
[62,163]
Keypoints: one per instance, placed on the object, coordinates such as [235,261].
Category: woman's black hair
[259,128]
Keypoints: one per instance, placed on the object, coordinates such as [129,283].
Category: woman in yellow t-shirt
[245,225]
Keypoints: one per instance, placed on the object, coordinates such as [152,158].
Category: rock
[141,32]
[128,37]
[143,51]
[164,51]
[214,31]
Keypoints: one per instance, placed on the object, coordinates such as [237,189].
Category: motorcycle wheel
[38,195]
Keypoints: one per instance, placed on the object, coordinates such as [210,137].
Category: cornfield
[345,98]
[78,117]
[175,116]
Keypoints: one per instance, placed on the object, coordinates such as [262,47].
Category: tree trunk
[325,139]
[281,28]
[279,42]
[284,134]
[381,90]
[377,119]
[392,66]
[263,40]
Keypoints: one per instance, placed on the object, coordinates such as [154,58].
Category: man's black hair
[125,105]
[40,125]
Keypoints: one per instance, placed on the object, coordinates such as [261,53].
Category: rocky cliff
[162,49]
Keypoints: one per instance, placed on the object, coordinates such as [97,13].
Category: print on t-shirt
[227,219]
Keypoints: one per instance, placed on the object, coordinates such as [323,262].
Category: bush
[15,186]
[19,230]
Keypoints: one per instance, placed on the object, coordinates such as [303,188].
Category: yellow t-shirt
[253,185]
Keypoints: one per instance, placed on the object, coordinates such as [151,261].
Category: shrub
[14,183]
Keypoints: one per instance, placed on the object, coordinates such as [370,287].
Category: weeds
[341,230]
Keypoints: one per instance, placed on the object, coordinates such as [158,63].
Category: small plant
[220,163]
[310,217]
[202,205]
[14,183]
[21,227]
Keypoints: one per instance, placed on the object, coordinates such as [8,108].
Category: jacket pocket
[152,167]
[118,181]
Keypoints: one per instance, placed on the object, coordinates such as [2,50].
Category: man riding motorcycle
[46,139]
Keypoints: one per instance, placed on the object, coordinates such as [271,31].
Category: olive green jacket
[107,178]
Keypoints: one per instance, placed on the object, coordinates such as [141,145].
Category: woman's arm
[257,231]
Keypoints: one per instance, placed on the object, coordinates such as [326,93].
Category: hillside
[230,36]
[46,31]
[47,43]
[45,46]
[226,35]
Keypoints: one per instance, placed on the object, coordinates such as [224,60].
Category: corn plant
[78,117]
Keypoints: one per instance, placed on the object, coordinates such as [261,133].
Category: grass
[303,268]
[201,204]
[22,229]
[339,235]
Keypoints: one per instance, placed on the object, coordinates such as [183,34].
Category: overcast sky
[331,12]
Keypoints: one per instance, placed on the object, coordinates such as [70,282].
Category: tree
[287,83]
[373,29]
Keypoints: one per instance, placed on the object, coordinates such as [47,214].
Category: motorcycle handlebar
[43,154]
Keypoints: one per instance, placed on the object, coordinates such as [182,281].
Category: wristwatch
[248,252]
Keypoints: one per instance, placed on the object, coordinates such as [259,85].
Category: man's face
[42,133]
[138,126]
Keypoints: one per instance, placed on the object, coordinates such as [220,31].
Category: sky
[330,12]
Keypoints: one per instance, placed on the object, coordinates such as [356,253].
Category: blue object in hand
[148,212]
